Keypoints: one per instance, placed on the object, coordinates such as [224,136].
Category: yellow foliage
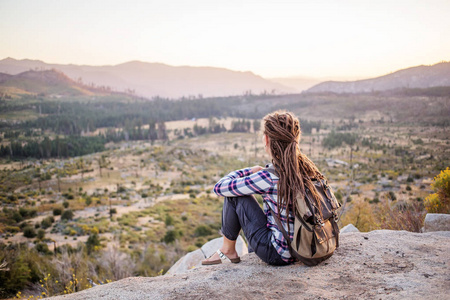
[94,230]
[439,202]
[432,203]
[361,215]
[85,228]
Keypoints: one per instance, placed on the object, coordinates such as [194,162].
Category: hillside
[415,77]
[299,83]
[49,82]
[156,79]
[381,264]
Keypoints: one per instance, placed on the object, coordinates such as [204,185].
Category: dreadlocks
[295,169]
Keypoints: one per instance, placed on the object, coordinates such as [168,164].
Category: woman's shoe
[219,261]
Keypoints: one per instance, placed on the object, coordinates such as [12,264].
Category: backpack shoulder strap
[285,234]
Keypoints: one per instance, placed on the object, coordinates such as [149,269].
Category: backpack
[315,238]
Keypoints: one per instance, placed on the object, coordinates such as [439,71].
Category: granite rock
[349,228]
[382,264]
[437,222]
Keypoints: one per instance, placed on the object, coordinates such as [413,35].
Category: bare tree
[63,266]
[118,264]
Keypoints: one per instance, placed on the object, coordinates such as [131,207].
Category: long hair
[295,169]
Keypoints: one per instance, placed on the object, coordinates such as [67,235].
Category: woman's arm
[246,181]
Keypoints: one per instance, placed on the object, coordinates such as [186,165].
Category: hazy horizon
[321,39]
[295,77]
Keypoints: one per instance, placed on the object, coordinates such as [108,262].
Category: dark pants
[244,212]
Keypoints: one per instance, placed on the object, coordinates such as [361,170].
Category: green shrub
[191,248]
[43,248]
[23,270]
[29,232]
[57,211]
[67,215]
[12,229]
[17,216]
[12,198]
[47,222]
[68,196]
[41,234]
[374,200]
[93,243]
[202,230]
[170,236]
[66,204]
[338,195]
[169,220]
[391,195]
[28,212]
[200,242]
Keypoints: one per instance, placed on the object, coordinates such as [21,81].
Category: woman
[242,211]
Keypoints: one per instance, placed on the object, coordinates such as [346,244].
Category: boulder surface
[381,264]
[349,228]
[437,222]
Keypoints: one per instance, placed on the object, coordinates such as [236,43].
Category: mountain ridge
[47,82]
[414,77]
[158,79]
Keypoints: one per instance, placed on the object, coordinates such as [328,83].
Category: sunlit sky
[340,38]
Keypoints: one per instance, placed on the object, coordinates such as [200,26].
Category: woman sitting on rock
[242,211]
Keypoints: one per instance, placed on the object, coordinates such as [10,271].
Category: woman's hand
[256,169]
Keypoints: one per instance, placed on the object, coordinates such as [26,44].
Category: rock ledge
[381,264]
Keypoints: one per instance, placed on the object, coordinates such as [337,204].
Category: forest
[68,129]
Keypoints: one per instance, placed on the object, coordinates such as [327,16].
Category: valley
[148,198]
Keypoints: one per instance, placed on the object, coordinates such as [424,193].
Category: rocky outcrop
[349,228]
[381,264]
[436,222]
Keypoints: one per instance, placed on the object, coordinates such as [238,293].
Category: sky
[318,39]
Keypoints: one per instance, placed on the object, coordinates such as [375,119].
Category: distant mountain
[298,83]
[155,79]
[49,82]
[415,77]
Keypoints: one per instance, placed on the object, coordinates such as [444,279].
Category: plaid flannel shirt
[243,182]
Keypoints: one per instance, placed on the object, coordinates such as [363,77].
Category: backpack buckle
[319,220]
[335,216]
